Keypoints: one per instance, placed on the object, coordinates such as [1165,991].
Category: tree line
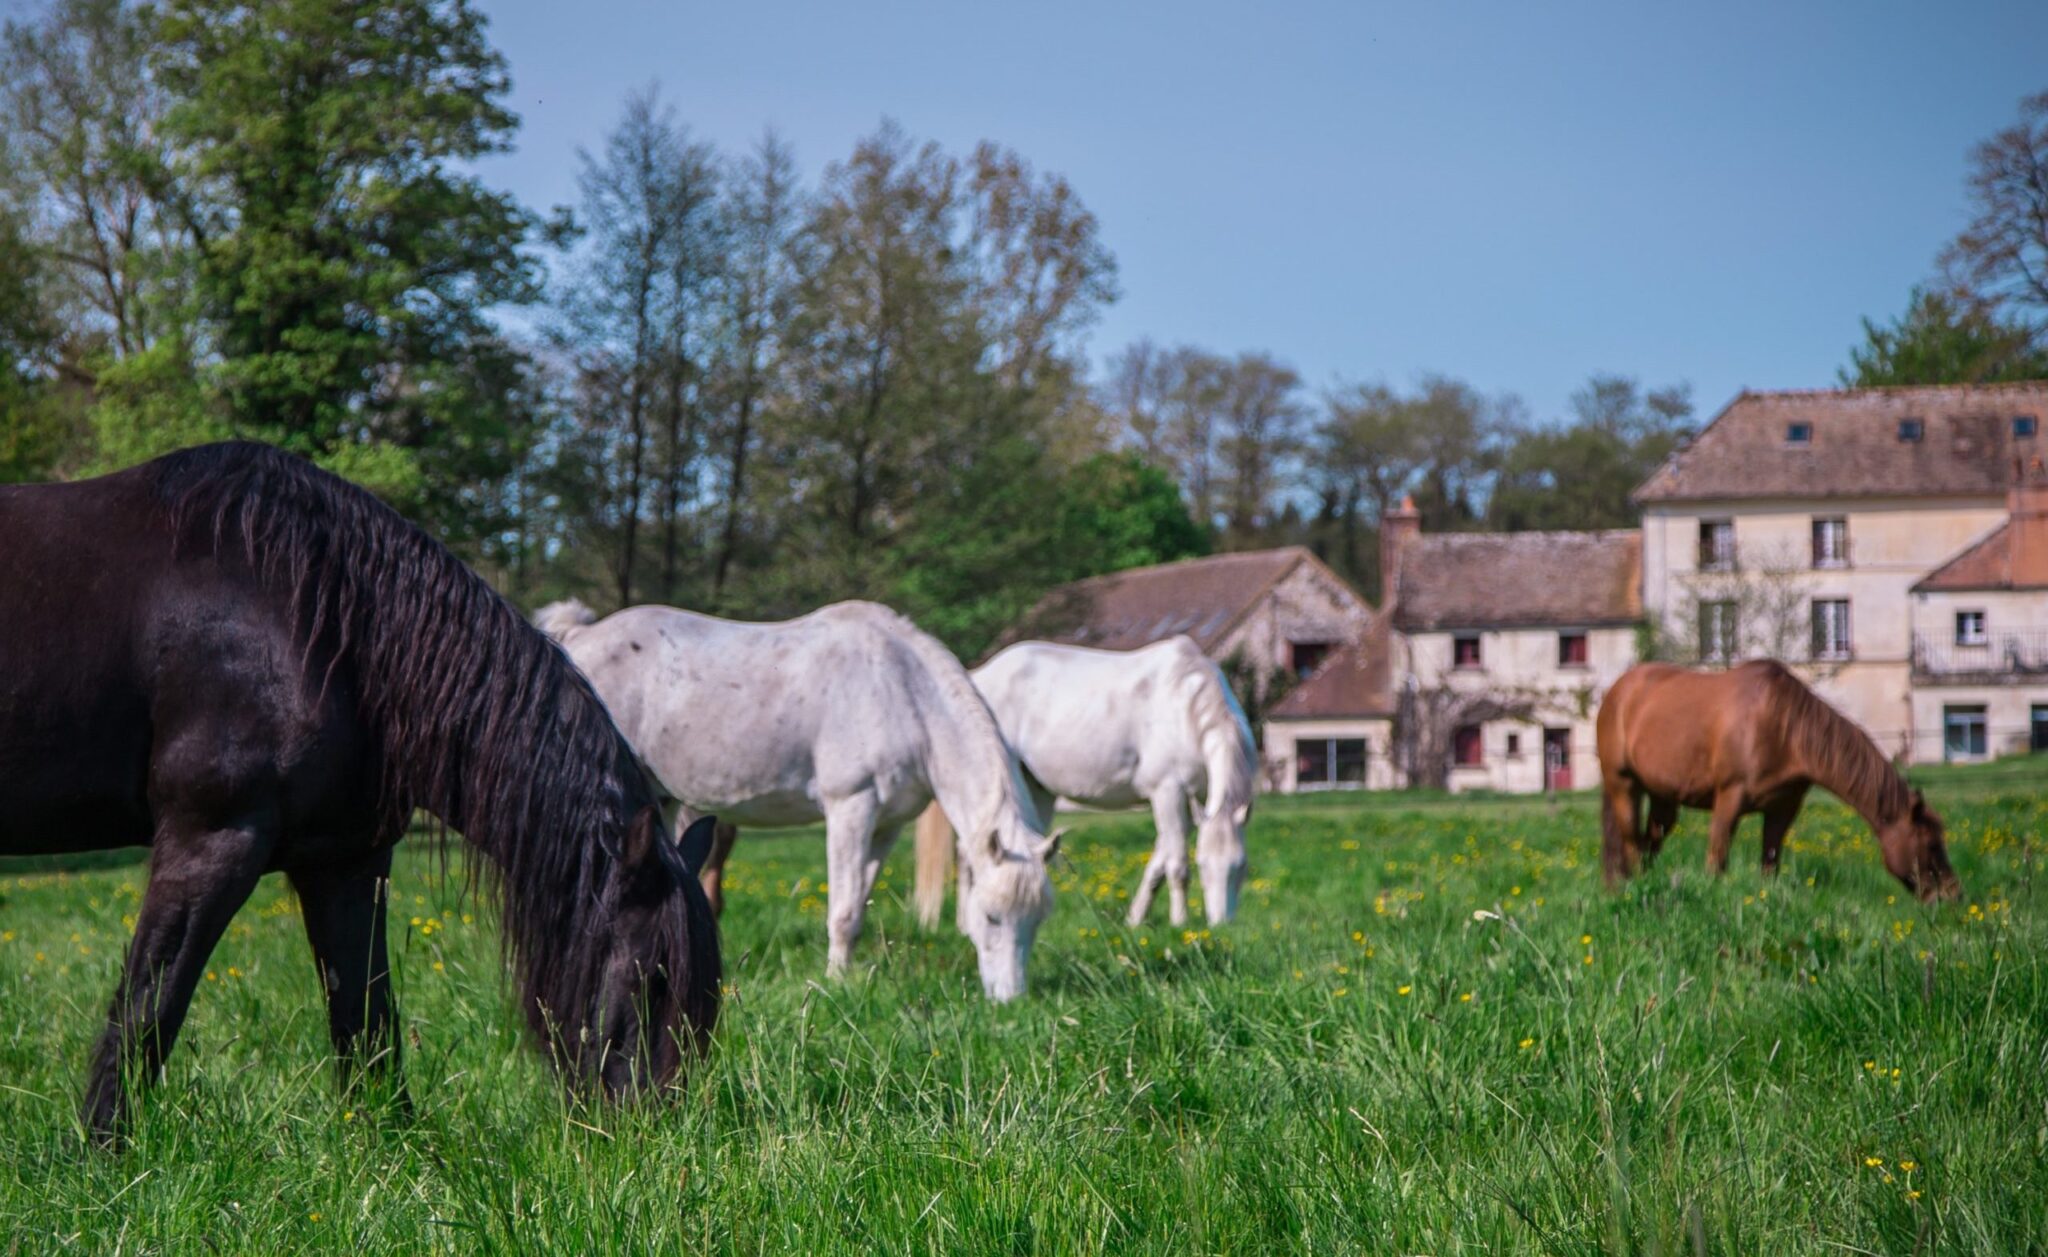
[714,381]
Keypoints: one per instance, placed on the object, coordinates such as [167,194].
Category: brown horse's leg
[712,876]
[1727,813]
[344,907]
[1663,819]
[196,882]
[1620,854]
[1777,822]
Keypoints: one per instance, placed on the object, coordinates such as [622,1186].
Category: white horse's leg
[961,891]
[1169,858]
[849,827]
[879,846]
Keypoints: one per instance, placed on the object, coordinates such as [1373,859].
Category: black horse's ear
[643,839]
[695,844]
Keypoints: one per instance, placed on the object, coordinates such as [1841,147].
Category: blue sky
[1515,194]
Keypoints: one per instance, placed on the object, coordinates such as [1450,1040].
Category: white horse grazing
[850,715]
[1117,729]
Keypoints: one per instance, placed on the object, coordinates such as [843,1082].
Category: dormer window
[1798,434]
[1911,430]
[2024,426]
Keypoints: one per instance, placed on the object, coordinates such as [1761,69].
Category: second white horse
[1155,726]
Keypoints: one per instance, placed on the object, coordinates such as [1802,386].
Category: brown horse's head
[1916,852]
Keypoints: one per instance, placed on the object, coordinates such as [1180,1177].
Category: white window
[1717,545]
[1329,762]
[1717,631]
[1970,628]
[1465,651]
[1965,734]
[1831,628]
[1831,543]
[1571,650]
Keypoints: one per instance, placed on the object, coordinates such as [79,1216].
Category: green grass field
[1430,1031]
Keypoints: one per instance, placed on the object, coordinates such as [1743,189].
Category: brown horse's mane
[1838,754]
[475,716]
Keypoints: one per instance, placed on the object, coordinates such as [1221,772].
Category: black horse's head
[650,961]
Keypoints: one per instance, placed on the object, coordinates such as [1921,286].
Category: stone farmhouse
[1265,612]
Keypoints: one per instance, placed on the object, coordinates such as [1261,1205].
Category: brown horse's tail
[934,864]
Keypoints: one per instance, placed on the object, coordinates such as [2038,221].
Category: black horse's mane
[477,717]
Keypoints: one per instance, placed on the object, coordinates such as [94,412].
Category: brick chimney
[2028,506]
[1398,527]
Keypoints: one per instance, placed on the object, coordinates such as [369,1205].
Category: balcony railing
[2000,658]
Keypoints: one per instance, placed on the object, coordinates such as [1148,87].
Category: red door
[1557,759]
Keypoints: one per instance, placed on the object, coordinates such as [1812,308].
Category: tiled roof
[1519,579]
[1203,598]
[1355,680]
[2012,556]
[1852,448]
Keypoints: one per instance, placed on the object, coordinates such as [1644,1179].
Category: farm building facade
[1867,536]
[1891,544]
[1495,651]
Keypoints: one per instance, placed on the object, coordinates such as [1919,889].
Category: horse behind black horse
[250,665]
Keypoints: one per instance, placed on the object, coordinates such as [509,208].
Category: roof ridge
[1983,386]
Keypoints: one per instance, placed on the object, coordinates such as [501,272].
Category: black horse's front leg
[196,882]
[344,907]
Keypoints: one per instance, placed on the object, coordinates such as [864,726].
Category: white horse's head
[558,618]
[1219,856]
[1009,893]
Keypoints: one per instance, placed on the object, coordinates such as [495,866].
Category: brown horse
[1751,739]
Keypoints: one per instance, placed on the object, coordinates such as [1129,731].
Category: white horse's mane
[1220,727]
[558,618]
[964,702]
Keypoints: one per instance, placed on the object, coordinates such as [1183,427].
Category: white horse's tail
[557,618]
[934,864]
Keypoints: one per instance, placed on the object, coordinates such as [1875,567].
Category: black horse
[249,665]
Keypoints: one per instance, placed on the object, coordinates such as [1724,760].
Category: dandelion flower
[1585,940]
[1404,990]
[1466,998]
[1909,1166]
[1874,1162]
[1527,1044]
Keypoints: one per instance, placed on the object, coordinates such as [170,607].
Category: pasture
[1429,1031]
